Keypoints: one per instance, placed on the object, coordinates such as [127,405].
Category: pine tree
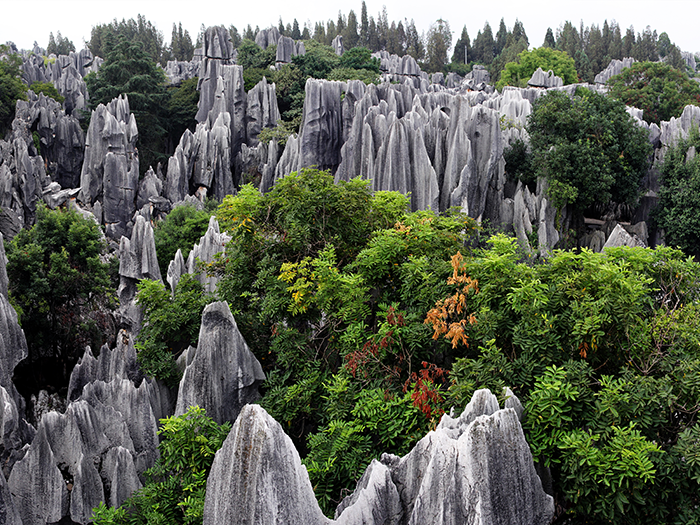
[461,46]
[549,39]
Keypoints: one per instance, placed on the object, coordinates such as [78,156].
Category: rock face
[221,374]
[98,449]
[545,80]
[137,260]
[110,170]
[476,468]
[15,432]
[267,37]
[66,73]
[337,45]
[228,119]
[615,67]
[286,49]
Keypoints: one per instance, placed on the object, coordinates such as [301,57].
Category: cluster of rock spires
[66,73]
[99,448]
[452,130]
[476,468]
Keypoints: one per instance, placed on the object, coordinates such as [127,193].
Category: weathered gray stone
[110,170]
[476,468]
[37,485]
[545,79]
[211,243]
[222,375]
[150,186]
[620,237]
[286,49]
[337,45]
[8,511]
[261,111]
[137,260]
[176,269]
[615,67]
[267,37]
[275,487]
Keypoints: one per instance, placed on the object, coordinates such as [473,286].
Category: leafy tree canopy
[59,45]
[104,37]
[48,89]
[588,148]
[678,212]
[519,72]
[57,279]
[12,88]
[657,88]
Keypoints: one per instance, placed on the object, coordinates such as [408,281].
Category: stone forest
[333,274]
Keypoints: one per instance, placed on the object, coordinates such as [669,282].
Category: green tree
[678,212]
[657,88]
[171,324]
[128,70]
[588,148]
[59,45]
[175,486]
[181,47]
[48,89]
[549,39]
[518,73]
[181,110]
[181,229]
[104,37]
[11,88]
[462,46]
[439,41]
[58,283]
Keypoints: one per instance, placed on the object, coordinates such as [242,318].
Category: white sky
[24,22]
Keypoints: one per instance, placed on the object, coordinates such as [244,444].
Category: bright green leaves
[519,72]
[588,148]
[171,324]
[175,486]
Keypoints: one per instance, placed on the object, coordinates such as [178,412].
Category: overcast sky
[33,20]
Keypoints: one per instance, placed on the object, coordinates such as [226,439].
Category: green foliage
[344,74]
[329,285]
[602,351]
[171,324]
[438,43]
[58,281]
[519,162]
[59,45]
[128,70]
[48,89]
[12,88]
[318,61]
[519,72]
[182,107]
[678,211]
[657,88]
[359,58]
[588,148]
[252,56]
[104,37]
[280,133]
[181,229]
[175,486]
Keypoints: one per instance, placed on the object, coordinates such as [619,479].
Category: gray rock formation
[689,60]
[228,119]
[337,45]
[61,138]
[476,468]
[621,237]
[8,511]
[275,487]
[545,80]
[211,243]
[137,260]
[286,49]
[615,67]
[110,171]
[178,71]
[267,37]
[222,374]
